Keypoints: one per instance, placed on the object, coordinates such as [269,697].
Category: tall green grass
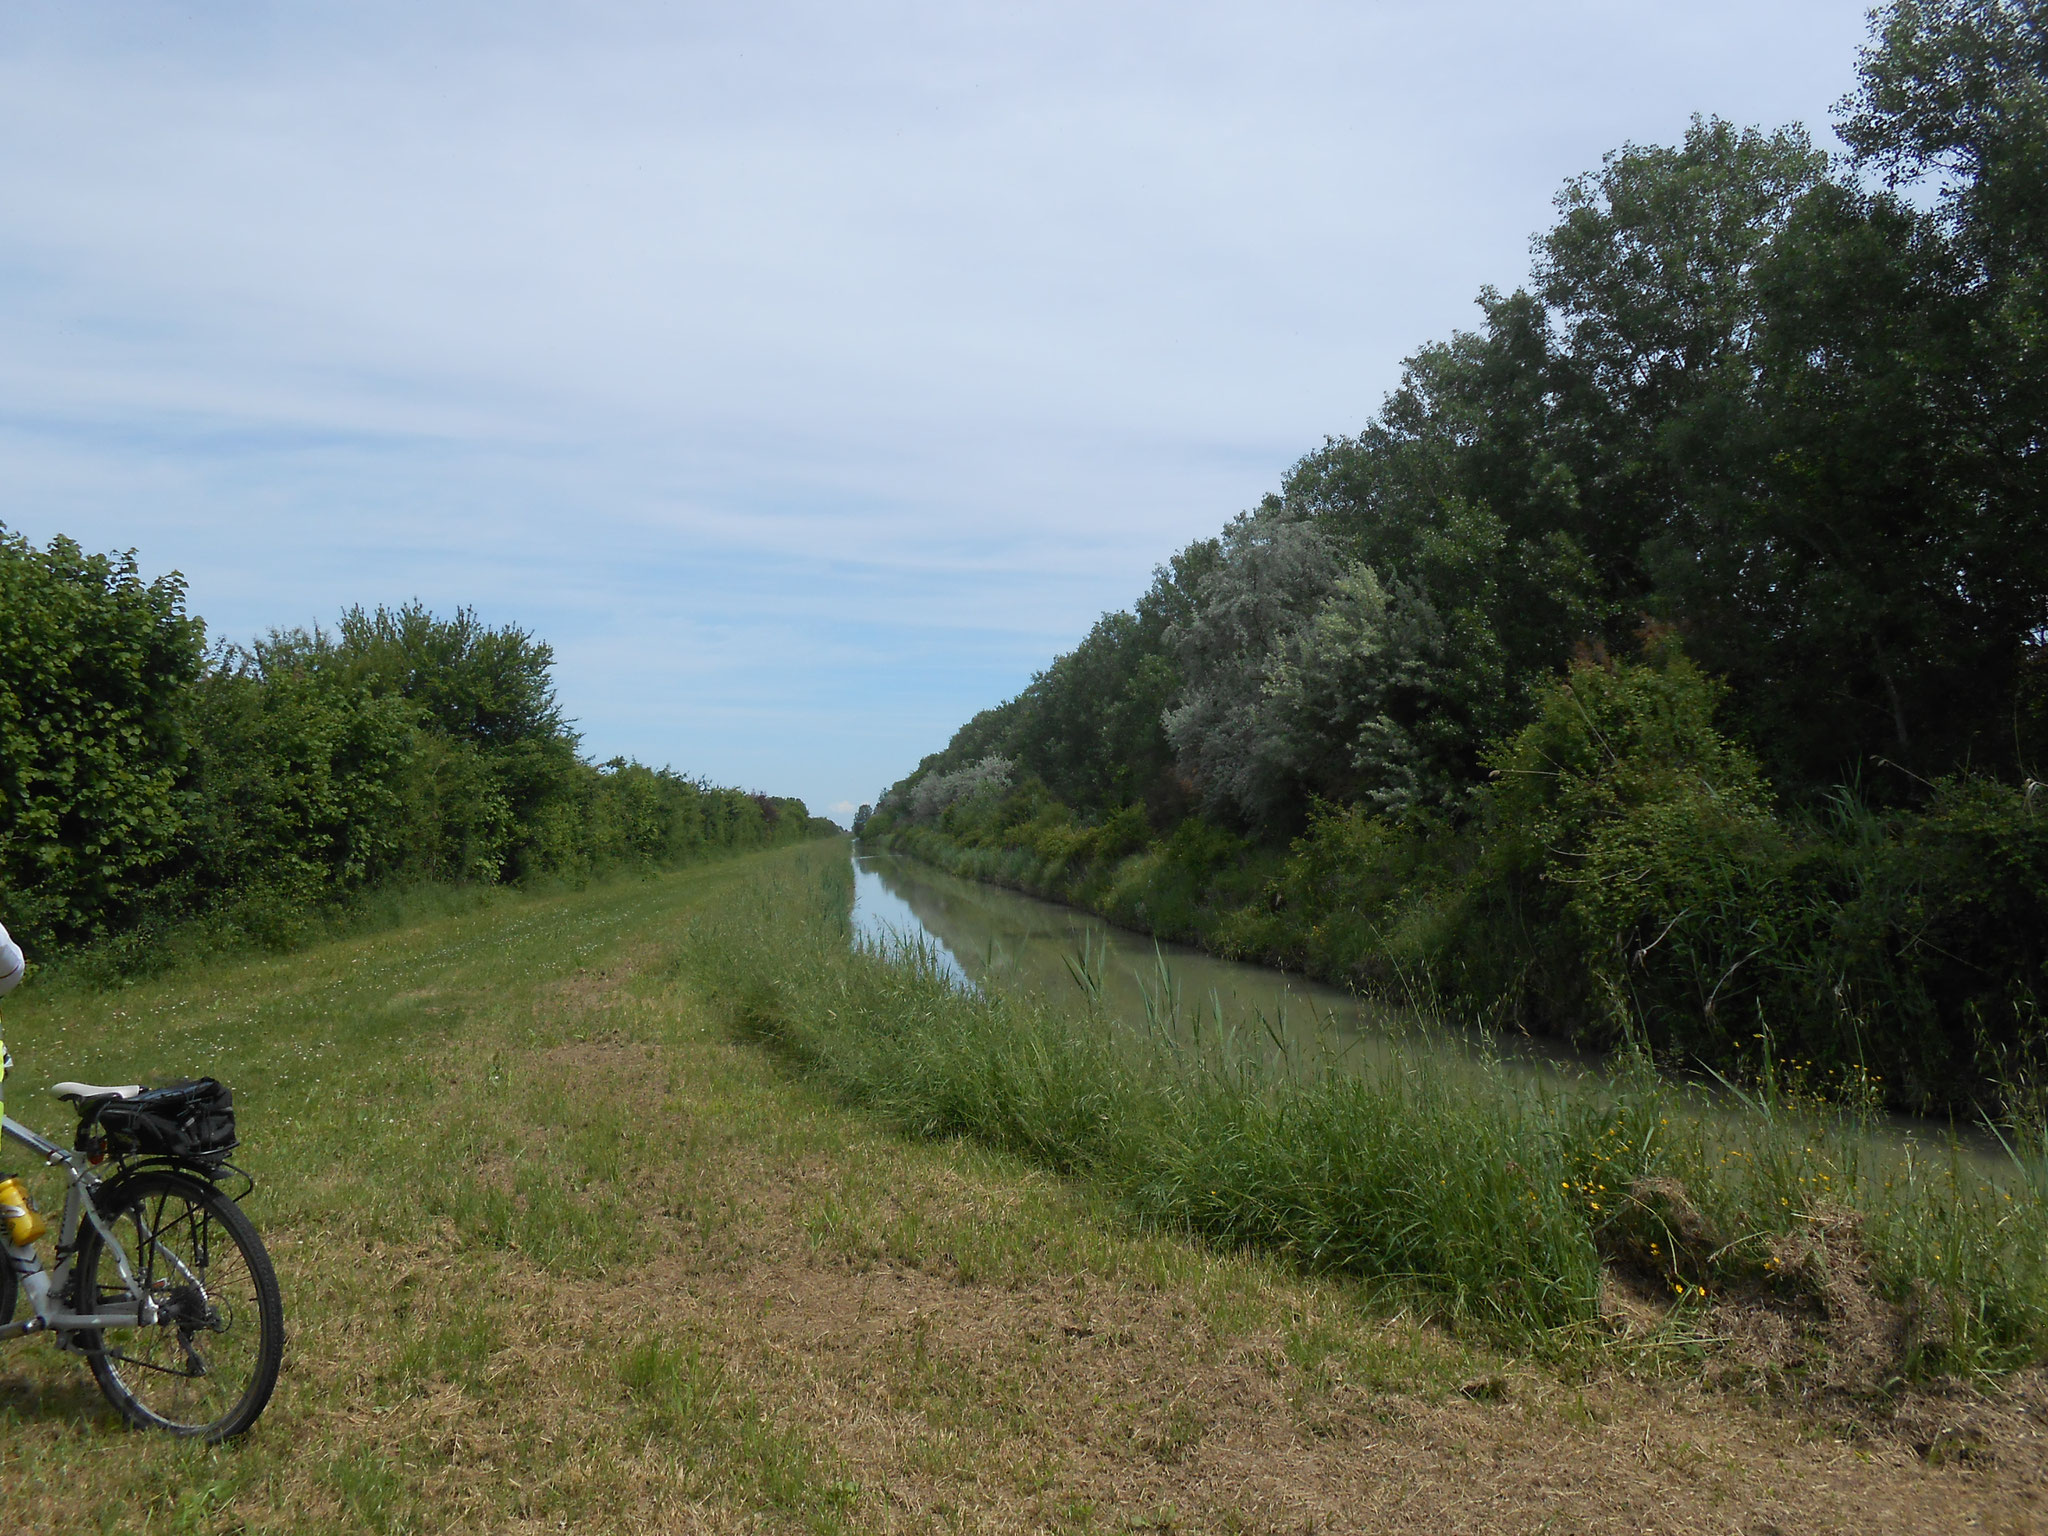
[1489,1197]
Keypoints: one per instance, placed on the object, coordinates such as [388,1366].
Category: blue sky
[807,374]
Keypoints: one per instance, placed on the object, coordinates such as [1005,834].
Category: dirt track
[1217,1395]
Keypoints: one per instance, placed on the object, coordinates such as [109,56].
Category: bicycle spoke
[212,1353]
[124,1358]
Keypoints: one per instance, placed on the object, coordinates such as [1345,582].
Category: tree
[490,686]
[94,667]
[1273,571]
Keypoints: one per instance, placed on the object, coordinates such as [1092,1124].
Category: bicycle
[160,1280]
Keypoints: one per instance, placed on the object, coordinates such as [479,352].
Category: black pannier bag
[193,1119]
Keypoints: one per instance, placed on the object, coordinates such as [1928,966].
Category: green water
[987,936]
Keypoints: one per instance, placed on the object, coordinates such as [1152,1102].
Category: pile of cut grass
[1495,1200]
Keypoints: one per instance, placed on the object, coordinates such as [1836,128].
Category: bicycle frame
[140,1310]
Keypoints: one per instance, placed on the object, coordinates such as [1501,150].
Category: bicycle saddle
[86,1093]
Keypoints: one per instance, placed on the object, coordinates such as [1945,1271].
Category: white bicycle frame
[137,1312]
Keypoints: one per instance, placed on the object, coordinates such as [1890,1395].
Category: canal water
[983,935]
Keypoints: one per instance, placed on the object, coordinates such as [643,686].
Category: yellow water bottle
[18,1213]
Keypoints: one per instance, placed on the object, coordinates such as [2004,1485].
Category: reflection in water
[883,918]
[983,933]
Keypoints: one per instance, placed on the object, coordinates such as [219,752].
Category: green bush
[148,785]
[1640,838]
[1625,877]
[96,666]
[1939,944]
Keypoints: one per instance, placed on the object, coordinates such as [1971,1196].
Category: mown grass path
[560,1254]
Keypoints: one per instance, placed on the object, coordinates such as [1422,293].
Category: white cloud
[807,373]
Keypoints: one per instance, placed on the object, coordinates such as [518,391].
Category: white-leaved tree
[1307,674]
[935,793]
[1229,731]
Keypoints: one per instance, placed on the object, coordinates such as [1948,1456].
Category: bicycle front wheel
[207,1366]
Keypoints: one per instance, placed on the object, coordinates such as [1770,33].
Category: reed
[1536,1210]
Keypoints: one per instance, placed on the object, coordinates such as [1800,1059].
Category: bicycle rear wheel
[206,1368]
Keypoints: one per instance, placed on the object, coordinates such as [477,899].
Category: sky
[808,375]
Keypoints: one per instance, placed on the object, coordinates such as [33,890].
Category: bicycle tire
[207,1369]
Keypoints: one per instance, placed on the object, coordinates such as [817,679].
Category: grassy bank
[1625,874]
[186,944]
[560,1251]
[1540,1214]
